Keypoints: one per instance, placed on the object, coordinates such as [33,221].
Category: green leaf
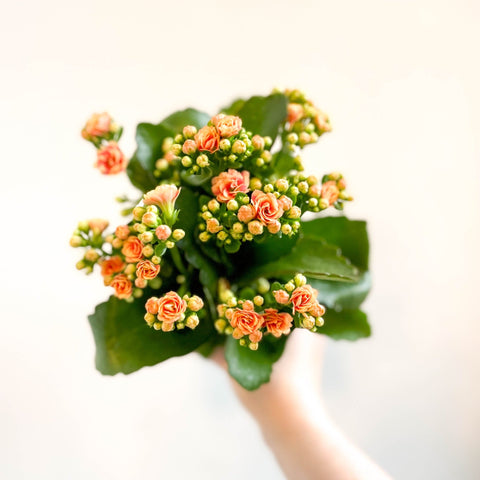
[342,295]
[264,115]
[345,325]
[149,149]
[312,257]
[350,235]
[283,162]
[234,107]
[253,368]
[150,138]
[176,121]
[125,343]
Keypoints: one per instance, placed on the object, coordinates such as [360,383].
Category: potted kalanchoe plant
[216,251]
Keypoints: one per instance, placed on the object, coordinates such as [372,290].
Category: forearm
[308,445]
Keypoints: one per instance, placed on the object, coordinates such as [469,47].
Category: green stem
[177,260]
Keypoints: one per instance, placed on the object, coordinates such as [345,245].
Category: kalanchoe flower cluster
[133,260]
[172,312]
[305,123]
[221,144]
[104,134]
[269,309]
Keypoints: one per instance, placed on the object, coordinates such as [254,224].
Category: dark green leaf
[345,325]
[284,162]
[312,257]
[125,343]
[342,295]
[176,121]
[264,115]
[234,107]
[253,368]
[350,235]
[149,149]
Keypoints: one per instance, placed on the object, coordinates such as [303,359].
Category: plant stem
[177,260]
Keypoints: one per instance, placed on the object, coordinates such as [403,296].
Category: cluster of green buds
[89,235]
[305,123]
[173,312]
[221,144]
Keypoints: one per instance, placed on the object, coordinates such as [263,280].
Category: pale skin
[292,417]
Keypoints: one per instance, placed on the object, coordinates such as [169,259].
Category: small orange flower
[246,213]
[110,159]
[132,249]
[207,139]
[277,323]
[171,307]
[267,207]
[122,232]
[295,113]
[152,305]
[98,225]
[245,322]
[97,126]
[122,286]
[147,270]
[227,125]
[164,195]
[226,185]
[330,192]
[281,296]
[111,265]
[304,299]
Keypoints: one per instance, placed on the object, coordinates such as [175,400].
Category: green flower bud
[286,229]
[156,260]
[323,203]
[258,300]
[146,237]
[319,322]
[239,147]
[192,321]
[268,141]
[222,236]
[162,164]
[77,241]
[253,346]
[176,149]
[169,244]
[225,145]
[178,138]
[220,325]
[189,131]
[263,285]
[303,187]
[292,138]
[260,162]
[147,250]
[232,205]
[178,234]
[213,205]
[299,280]
[204,237]
[83,226]
[138,213]
[202,161]
[186,161]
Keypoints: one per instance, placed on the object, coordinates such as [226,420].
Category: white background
[400,80]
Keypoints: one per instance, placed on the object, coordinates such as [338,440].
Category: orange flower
[163,195]
[171,307]
[295,113]
[111,265]
[189,147]
[285,202]
[281,296]
[267,207]
[227,125]
[110,159]
[122,286]
[245,322]
[132,249]
[207,139]
[98,125]
[322,122]
[122,232]
[98,225]
[147,270]
[318,310]
[226,185]
[277,323]
[330,192]
[304,299]
[152,305]
[163,232]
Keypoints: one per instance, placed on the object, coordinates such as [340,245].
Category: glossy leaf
[264,115]
[350,235]
[124,342]
[310,256]
[345,325]
[180,119]
[342,295]
[253,368]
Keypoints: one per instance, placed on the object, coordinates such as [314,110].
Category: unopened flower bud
[117,243]
[222,236]
[186,161]
[76,241]
[290,286]
[300,280]
[189,131]
[258,142]
[323,203]
[80,265]
[147,250]
[274,227]
[303,187]
[292,138]
[268,141]
[308,322]
[169,244]
[248,237]
[313,202]
[255,183]
[204,237]
[239,147]
[178,234]
[304,138]
[213,205]
[237,227]
[156,260]
[268,188]
[225,145]
[150,219]
[319,322]
[129,269]
[138,213]
[91,255]
[293,191]
[176,149]
[232,302]
[157,325]
[146,237]
[253,346]
[202,161]
[286,229]
[195,303]
[220,325]
[294,212]
[192,321]
[163,232]
[149,318]
[162,164]
[167,327]
[282,185]
[255,227]
[140,282]
[258,300]
[232,205]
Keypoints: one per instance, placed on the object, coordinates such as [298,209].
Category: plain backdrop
[400,80]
